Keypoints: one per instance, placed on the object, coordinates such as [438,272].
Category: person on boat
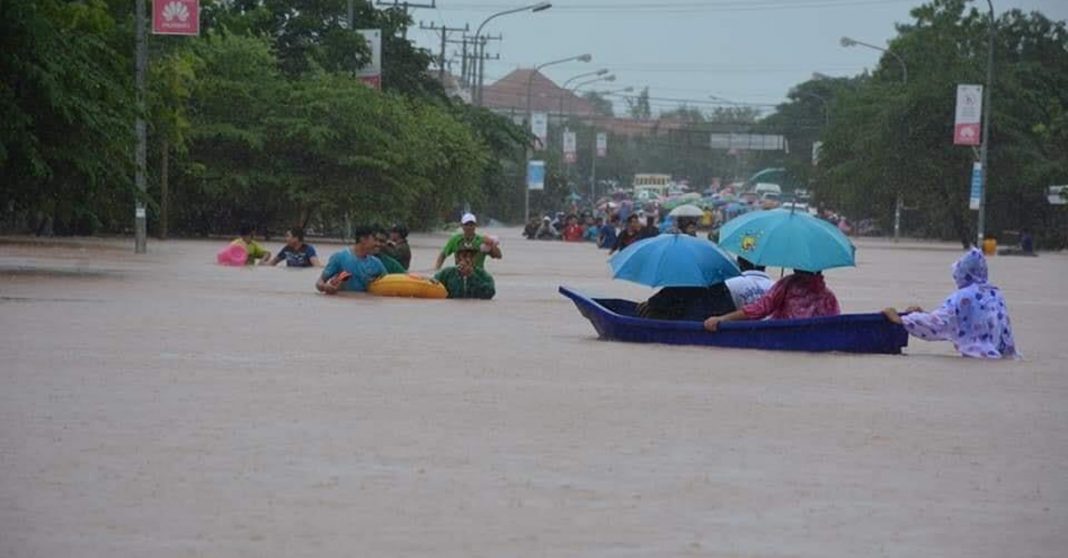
[687,303]
[352,269]
[631,234]
[752,284]
[397,246]
[295,252]
[254,252]
[468,236]
[974,318]
[388,261]
[465,280]
[802,294]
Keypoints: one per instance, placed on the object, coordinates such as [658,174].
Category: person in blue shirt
[296,253]
[358,263]
[607,237]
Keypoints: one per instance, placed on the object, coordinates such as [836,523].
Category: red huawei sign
[176,17]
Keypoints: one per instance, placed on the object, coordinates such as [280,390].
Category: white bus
[658,184]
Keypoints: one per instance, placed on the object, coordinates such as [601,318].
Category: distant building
[508,96]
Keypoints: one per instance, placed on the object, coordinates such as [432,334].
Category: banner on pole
[969,115]
[570,147]
[176,17]
[539,126]
[536,175]
[977,186]
[602,144]
[817,147]
[371,74]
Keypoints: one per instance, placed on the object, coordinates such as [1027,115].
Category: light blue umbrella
[673,260]
[785,238]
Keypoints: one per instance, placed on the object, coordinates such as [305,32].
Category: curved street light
[563,87]
[823,102]
[848,42]
[530,81]
[481,48]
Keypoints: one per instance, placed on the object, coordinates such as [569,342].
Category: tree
[600,105]
[639,106]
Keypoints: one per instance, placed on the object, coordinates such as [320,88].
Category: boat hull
[615,319]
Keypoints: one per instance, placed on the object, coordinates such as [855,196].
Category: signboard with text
[536,175]
[570,154]
[539,126]
[966,126]
[976,197]
[371,74]
[602,144]
[176,17]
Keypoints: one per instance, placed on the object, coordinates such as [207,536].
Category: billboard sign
[570,147]
[176,17]
[739,142]
[536,175]
[969,115]
[371,74]
[539,127]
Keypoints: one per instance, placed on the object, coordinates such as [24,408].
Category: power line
[691,7]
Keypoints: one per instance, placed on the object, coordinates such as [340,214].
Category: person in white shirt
[748,287]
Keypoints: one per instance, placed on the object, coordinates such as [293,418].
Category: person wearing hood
[802,294]
[974,318]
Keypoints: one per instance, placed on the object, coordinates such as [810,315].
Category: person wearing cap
[483,245]
[465,280]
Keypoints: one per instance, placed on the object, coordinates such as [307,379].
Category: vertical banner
[539,126]
[569,147]
[536,175]
[817,146]
[602,144]
[977,186]
[176,17]
[969,115]
[371,74]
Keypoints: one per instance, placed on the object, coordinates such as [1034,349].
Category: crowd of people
[376,252]
[974,317]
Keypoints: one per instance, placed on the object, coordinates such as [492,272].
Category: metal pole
[140,241]
[481,67]
[352,15]
[441,59]
[463,62]
[981,222]
[593,171]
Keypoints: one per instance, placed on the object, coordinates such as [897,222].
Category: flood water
[160,405]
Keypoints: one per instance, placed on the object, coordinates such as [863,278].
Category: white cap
[468,218]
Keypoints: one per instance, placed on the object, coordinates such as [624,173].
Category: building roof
[510,93]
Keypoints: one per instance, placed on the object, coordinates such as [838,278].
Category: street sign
[570,155]
[539,126]
[977,186]
[176,17]
[1057,195]
[371,74]
[966,126]
[602,144]
[755,142]
[536,175]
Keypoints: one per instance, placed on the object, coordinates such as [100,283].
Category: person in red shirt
[800,295]
[573,230]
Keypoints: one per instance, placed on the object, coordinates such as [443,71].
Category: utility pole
[981,222]
[140,67]
[444,31]
[405,6]
[463,54]
[480,63]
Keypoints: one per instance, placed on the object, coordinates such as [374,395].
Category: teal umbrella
[673,260]
[785,238]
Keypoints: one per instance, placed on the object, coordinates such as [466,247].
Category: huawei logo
[175,10]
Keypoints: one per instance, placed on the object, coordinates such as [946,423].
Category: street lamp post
[480,46]
[530,81]
[574,90]
[847,42]
[981,221]
[563,86]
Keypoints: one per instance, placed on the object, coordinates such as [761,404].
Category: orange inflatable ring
[407,285]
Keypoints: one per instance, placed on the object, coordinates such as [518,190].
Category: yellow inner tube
[407,285]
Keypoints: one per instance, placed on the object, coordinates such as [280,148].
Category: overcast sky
[747,51]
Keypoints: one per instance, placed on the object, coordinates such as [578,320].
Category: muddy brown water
[160,405]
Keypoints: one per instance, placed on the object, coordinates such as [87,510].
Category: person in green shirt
[392,265]
[465,280]
[254,250]
[397,246]
[483,245]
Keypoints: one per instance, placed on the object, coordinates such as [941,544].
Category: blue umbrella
[785,238]
[673,260]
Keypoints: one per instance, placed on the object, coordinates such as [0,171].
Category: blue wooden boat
[616,319]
